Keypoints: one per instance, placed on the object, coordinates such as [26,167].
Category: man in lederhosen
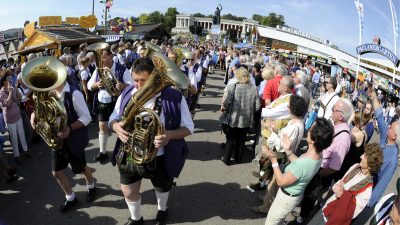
[103,101]
[172,149]
[76,139]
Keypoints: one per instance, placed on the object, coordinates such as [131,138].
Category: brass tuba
[151,48]
[144,124]
[42,75]
[181,53]
[106,76]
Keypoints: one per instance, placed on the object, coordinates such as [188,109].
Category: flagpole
[93,7]
[359,38]
[394,22]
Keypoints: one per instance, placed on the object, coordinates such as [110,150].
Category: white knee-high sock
[70,197]
[134,208]
[103,142]
[162,199]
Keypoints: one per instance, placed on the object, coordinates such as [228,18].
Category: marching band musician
[204,61]
[189,68]
[76,139]
[103,101]
[172,149]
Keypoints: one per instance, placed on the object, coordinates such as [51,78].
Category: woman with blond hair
[239,103]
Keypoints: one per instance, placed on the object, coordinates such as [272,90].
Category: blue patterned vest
[79,138]
[176,150]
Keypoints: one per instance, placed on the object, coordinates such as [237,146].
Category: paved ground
[207,191]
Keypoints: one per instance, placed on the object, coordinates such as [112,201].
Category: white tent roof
[112,38]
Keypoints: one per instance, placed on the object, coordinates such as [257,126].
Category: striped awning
[112,38]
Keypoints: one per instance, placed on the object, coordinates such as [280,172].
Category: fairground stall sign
[376,48]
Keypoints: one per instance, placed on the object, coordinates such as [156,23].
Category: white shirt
[80,55]
[186,117]
[324,100]
[293,130]
[279,112]
[103,96]
[205,62]
[127,53]
[197,75]
[338,88]
[391,111]
[79,103]
[192,76]
[120,59]
[85,74]
[70,71]
[23,92]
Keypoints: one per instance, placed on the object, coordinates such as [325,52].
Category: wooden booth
[56,38]
[53,34]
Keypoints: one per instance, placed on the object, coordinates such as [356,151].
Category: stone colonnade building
[183,21]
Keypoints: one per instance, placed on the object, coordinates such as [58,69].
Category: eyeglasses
[335,110]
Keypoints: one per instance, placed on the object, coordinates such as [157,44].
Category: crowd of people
[312,156]
[337,169]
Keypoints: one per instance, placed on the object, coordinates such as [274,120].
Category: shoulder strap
[232,98]
[195,68]
[22,90]
[124,99]
[342,131]
[324,106]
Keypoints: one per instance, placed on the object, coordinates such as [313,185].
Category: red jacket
[341,210]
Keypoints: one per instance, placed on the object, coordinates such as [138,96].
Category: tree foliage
[198,15]
[170,18]
[202,15]
[257,17]
[195,29]
[167,19]
[232,34]
[232,17]
[156,17]
[272,20]
[144,18]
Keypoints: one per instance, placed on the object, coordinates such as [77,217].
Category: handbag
[225,117]
[314,188]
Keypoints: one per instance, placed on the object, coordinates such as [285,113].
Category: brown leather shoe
[260,198]
[257,209]
[256,174]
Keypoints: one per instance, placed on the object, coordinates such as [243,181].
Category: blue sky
[335,20]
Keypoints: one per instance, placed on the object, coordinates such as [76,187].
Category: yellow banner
[88,21]
[29,29]
[50,20]
[72,20]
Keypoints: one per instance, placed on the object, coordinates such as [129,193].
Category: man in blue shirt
[389,140]
[315,82]
[235,63]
